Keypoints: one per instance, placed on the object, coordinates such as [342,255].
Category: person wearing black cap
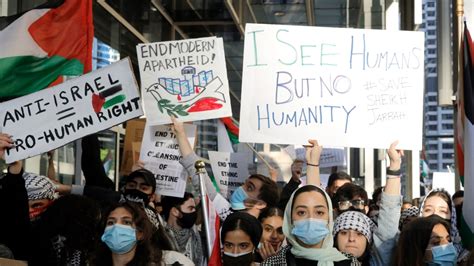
[140,186]
[240,235]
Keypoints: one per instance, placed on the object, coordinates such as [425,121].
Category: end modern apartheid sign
[344,87]
[53,117]
[185,79]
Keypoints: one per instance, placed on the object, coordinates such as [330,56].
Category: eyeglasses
[358,204]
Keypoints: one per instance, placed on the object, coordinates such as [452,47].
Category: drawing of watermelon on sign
[195,92]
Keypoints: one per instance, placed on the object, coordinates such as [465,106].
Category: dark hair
[168,202]
[442,194]
[308,188]
[414,240]
[338,176]
[377,192]
[270,212]
[144,252]
[347,192]
[245,222]
[74,218]
[458,194]
[269,190]
[416,202]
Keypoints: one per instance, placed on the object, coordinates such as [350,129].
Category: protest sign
[160,154]
[444,180]
[329,156]
[186,79]
[133,133]
[230,170]
[343,87]
[53,117]
[323,178]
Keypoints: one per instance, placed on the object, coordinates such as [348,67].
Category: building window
[447,126]
[430,4]
[274,148]
[432,147]
[447,116]
[432,98]
[430,13]
[432,118]
[432,127]
[448,146]
[445,165]
[448,156]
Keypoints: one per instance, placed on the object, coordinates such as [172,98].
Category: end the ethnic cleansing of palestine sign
[53,117]
[186,79]
[343,87]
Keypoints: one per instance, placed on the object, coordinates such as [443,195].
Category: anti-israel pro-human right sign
[343,87]
[51,118]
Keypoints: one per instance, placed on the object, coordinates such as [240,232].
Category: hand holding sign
[313,152]
[5,142]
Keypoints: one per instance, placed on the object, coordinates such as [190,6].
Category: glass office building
[121,24]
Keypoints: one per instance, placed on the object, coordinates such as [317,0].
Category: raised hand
[395,156]
[5,142]
[313,152]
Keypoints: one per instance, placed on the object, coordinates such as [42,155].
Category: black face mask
[187,220]
[242,260]
[136,195]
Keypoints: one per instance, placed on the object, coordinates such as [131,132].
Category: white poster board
[160,154]
[53,117]
[230,170]
[186,78]
[329,157]
[343,87]
[444,180]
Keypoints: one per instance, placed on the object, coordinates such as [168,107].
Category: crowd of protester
[47,223]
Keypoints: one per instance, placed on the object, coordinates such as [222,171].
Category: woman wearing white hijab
[308,223]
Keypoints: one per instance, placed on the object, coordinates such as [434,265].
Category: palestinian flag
[40,46]
[465,141]
[232,129]
[214,224]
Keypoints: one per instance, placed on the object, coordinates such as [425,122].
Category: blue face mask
[444,255]
[310,231]
[119,238]
[237,199]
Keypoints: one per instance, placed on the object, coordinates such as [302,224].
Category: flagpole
[459,78]
[201,173]
[259,156]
